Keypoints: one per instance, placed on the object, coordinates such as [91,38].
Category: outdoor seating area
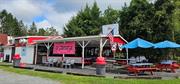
[59,63]
[133,65]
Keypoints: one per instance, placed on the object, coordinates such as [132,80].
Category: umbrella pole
[127,55]
[114,54]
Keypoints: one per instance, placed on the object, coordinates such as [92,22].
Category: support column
[102,44]
[36,54]
[63,56]
[47,55]
[83,45]
[101,48]
[48,48]
[83,54]
[127,55]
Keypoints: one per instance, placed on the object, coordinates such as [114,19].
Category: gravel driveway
[12,78]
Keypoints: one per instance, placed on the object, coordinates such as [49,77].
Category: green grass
[70,79]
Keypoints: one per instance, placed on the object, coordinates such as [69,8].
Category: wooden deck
[92,72]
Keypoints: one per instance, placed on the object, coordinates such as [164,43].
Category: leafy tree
[135,20]
[176,21]
[9,24]
[41,32]
[110,16]
[87,22]
[33,29]
[24,29]
[51,31]
[162,25]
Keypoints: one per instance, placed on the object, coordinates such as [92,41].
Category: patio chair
[68,63]
[50,62]
[59,63]
[132,60]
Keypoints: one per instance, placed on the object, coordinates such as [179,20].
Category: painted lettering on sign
[64,48]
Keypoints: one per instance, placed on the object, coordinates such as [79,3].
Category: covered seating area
[84,50]
[136,67]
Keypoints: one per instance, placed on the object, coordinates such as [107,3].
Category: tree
[41,32]
[110,16]
[10,25]
[24,29]
[32,30]
[176,21]
[51,31]
[162,25]
[87,22]
[135,20]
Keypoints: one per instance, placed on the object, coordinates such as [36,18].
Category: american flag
[110,36]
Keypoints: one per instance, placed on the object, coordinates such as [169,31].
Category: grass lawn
[70,79]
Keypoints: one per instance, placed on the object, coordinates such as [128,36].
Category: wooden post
[63,57]
[101,45]
[127,55]
[83,46]
[47,52]
[36,54]
[101,48]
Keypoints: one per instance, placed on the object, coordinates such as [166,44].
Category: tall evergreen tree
[33,30]
[10,25]
[41,32]
[110,16]
[87,22]
[51,31]
[135,20]
[162,25]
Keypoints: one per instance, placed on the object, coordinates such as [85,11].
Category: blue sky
[56,13]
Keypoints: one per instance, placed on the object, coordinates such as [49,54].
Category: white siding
[7,51]
[28,56]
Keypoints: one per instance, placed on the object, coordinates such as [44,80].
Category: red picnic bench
[172,67]
[137,70]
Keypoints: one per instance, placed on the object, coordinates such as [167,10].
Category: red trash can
[100,66]
[16,60]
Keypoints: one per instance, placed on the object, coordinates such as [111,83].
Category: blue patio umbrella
[166,44]
[138,43]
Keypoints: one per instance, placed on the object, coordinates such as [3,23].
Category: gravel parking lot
[12,78]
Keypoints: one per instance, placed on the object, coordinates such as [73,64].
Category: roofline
[28,37]
[74,38]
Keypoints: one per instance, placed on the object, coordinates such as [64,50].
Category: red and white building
[24,46]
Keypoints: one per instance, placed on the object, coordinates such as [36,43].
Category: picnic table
[123,61]
[168,64]
[141,67]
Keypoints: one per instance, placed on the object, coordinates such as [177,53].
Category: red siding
[3,39]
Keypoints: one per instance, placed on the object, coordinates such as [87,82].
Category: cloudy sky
[56,13]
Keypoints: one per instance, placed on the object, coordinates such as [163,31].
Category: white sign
[106,29]
[113,47]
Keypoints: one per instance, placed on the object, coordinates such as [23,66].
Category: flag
[110,36]
[120,46]
[113,47]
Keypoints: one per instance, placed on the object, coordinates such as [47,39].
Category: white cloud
[22,9]
[57,13]
[43,24]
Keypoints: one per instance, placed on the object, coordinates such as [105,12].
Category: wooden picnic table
[169,64]
[141,67]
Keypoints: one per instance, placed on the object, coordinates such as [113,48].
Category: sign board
[114,28]
[113,47]
[23,51]
[64,48]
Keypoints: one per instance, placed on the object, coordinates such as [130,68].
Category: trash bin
[100,66]
[16,60]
